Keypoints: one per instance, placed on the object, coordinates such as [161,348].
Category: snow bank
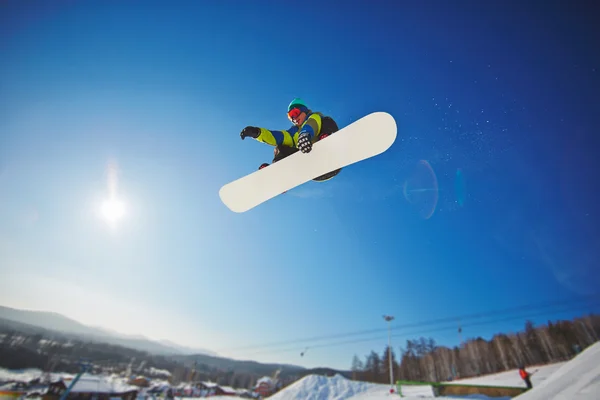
[317,387]
[578,379]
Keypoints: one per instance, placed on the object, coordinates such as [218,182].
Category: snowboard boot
[322,136]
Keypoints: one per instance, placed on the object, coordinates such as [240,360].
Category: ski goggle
[293,114]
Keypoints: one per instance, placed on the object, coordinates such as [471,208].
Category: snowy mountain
[60,323]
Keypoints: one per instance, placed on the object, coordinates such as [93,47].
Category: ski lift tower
[389,319]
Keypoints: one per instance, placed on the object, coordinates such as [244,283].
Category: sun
[113,210]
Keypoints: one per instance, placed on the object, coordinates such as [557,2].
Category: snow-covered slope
[578,379]
[316,387]
[511,378]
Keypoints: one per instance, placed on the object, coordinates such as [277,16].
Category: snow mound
[317,387]
[578,379]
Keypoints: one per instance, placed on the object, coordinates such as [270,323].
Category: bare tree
[423,360]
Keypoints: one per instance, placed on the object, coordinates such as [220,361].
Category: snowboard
[367,137]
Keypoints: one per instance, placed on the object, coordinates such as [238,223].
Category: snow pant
[528,382]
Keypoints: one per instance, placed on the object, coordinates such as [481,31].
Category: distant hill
[254,367]
[53,325]
[247,366]
[60,323]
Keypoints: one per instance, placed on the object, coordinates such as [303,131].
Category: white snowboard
[364,138]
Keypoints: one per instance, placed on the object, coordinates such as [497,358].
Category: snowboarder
[308,128]
[526,376]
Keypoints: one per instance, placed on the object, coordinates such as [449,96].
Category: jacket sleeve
[312,126]
[276,138]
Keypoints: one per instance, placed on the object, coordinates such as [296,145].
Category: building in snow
[140,381]
[225,391]
[206,388]
[87,387]
[12,390]
[265,386]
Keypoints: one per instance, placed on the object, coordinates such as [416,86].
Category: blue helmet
[299,103]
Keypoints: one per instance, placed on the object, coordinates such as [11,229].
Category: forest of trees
[423,360]
[20,350]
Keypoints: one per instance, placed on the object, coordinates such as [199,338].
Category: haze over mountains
[57,322]
[55,326]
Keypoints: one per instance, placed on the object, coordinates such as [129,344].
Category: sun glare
[113,210]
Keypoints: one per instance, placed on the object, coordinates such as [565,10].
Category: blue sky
[163,91]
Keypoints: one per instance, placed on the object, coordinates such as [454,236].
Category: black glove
[251,131]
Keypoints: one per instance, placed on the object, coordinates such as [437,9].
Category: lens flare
[421,189]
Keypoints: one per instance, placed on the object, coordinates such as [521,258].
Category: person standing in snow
[526,376]
[308,128]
